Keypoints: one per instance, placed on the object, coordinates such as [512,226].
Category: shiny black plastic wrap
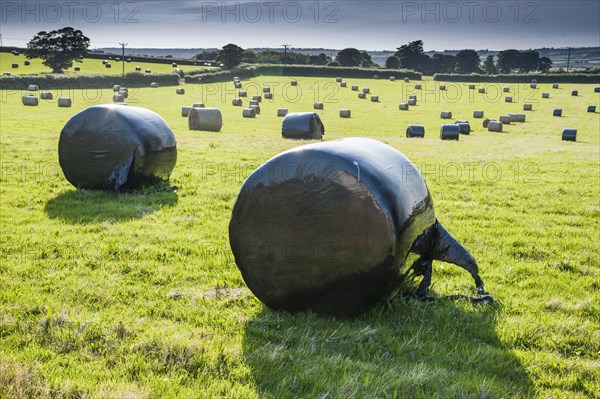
[302,125]
[112,147]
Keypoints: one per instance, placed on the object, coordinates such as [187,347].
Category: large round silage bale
[481,90]
[504,119]
[354,88]
[449,132]
[116,87]
[375,99]
[495,126]
[343,84]
[412,101]
[282,111]
[362,95]
[575,93]
[464,128]
[267,89]
[557,112]
[268,96]
[555,86]
[302,125]
[294,83]
[545,95]
[33,88]
[418,87]
[118,98]
[345,113]
[46,95]
[318,105]
[506,89]
[508,99]
[366,90]
[442,87]
[486,122]
[30,100]
[242,94]
[478,114]
[569,135]
[64,102]
[185,111]
[238,85]
[338,80]
[237,102]
[111,147]
[198,105]
[256,109]
[205,119]
[446,115]
[415,131]
[154,85]
[257,98]
[527,107]
[254,102]
[180,91]
[591,108]
[403,107]
[249,113]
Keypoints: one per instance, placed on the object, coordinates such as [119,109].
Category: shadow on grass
[405,349]
[91,206]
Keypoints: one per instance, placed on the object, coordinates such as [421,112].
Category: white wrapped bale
[345,113]
[64,102]
[30,100]
[478,114]
[46,95]
[205,119]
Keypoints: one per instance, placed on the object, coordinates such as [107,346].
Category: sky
[364,24]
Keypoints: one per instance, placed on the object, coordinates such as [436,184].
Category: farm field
[136,295]
[89,66]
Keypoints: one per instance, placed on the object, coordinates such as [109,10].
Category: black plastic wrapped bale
[545,95]
[375,99]
[116,87]
[375,77]
[366,90]
[449,132]
[154,85]
[486,122]
[148,71]
[343,84]
[294,83]
[354,88]
[318,106]
[506,89]
[557,112]
[249,113]
[442,87]
[591,108]
[238,85]
[268,96]
[185,111]
[257,98]
[513,117]
[555,86]
[574,93]
[205,119]
[477,114]
[406,80]
[282,111]
[335,227]
[33,88]
[464,128]
[481,90]
[412,101]
[362,95]
[533,81]
[112,147]
[15,66]
[180,91]
[446,115]
[404,107]
[26,62]
[254,102]
[46,95]
[242,94]
[302,125]
[504,119]
[138,68]
[345,113]
[392,78]
[415,131]
[508,99]
[569,135]
[118,98]
[77,69]
[30,100]
[108,65]
[533,86]
[64,102]
[495,126]
[338,80]
[267,89]
[471,87]
[256,109]
[527,107]
[237,102]
[597,89]
[198,105]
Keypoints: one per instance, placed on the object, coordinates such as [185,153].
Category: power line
[123,60]
[285,46]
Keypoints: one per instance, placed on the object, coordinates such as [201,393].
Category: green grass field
[137,296]
[88,66]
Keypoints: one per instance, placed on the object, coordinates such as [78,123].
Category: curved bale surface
[249,113]
[110,147]
[30,100]
[345,113]
[449,132]
[302,125]
[591,108]
[486,121]
[527,107]
[569,135]
[478,114]
[464,128]
[282,111]
[206,119]
[46,95]
[185,111]
[404,107]
[180,91]
[64,102]
[446,115]
[415,131]
[495,126]
[329,227]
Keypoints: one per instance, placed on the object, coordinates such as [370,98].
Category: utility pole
[123,60]
[568,58]
[285,46]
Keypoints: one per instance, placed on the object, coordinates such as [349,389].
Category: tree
[528,61]
[544,64]
[392,62]
[489,66]
[508,60]
[467,61]
[230,56]
[206,56]
[413,57]
[349,57]
[320,59]
[443,63]
[249,56]
[58,48]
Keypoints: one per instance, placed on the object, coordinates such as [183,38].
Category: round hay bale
[124,92]
[254,102]
[403,107]
[266,89]
[64,102]
[506,89]
[256,109]
[591,108]
[108,65]
[574,93]
[338,80]
[268,96]
[116,87]
[5,73]
[392,78]
[375,77]
[148,71]
[282,111]
[138,68]
[418,87]
[375,99]
[471,87]
[236,78]
[597,89]
[242,94]
[533,81]
[180,90]
[446,115]
[136,146]
[504,119]
[362,95]
[495,126]
[205,119]
[174,65]
[128,60]
[354,88]
[481,90]
[30,100]
[343,84]
[77,69]
[478,114]
[15,66]
[345,113]
[185,111]
[238,85]
[118,98]
[569,135]
[406,80]
[154,85]
[26,62]
[249,113]
[464,128]
[521,117]
[366,90]
[512,117]
[104,62]
[415,131]
[46,95]
[237,102]
[318,105]
[294,83]
[442,87]
[449,132]
[555,86]
[302,125]
[412,101]
[545,95]
[557,112]
[533,86]
[486,122]
[508,99]
[257,98]
[33,88]
[198,105]
[527,107]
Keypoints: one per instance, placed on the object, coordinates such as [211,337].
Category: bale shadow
[402,349]
[92,206]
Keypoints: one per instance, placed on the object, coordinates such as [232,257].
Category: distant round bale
[294,83]
[174,65]
[118,98]
[30,100]
[446,115]
[406,80]
[254,102]
[362,95]
[521,117]
[533,81]
[198,105]
[375,99]
[412,101]
[338,80]
[442,87]
[354,88]
[527,107]
[506,89]
[46,95]
[26,62]
[268,96]
[555,86]
[138,68]
[5,73]
[512,117]
[242,94]
[557,112]
[495,126]
[302,125]
[481,90]
[569,135]
[508,99]
[366,90]
[597,89]
[77,69]
[464,128]
[449,132]
[238,85]
[185,111]
[148,71]
[33,88]
[257,98]
[392,78]
[318,105]
[403,107]
[545,95]
[575,93]
[237,102]
[206,119]
[471,87]
[64,102]
[256,109]
[236,78]
[249,113]
[418,87]
[375,77]
[116,87]
[343,84]
[124,92]
[107,65]
[345,113]
[486,122]
[504,119]
[154,85]
[415,131]
[110,147]
[267,89]
[104,62]
[15,66]
[533,86]
[282,111]
[180,90]
[591,108]
[478,114]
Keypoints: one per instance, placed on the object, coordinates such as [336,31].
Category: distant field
[137,296]
[89,66]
